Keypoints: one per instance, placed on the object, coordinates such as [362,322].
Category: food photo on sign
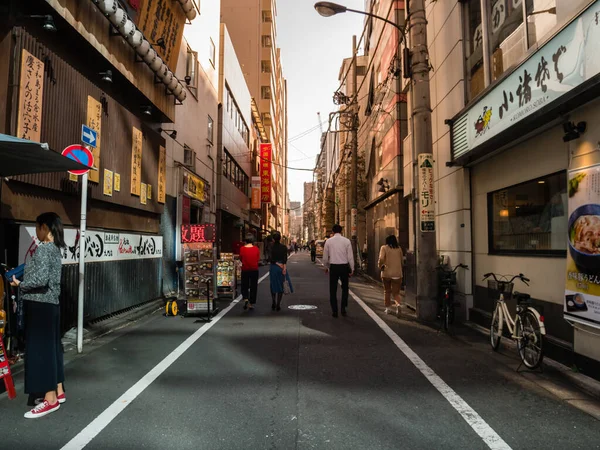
[582,293]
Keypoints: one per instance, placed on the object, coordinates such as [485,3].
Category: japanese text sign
[136,162]
[193,186]
[94,121]
[565,62]
[31,92]
[426,192]
[266,154]
[255,195]
[162,175]
[197,233]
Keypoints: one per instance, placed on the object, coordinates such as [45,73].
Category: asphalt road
[297,380]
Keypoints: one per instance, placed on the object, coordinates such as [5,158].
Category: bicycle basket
[448,278]
[503,287]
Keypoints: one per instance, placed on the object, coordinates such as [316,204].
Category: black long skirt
[44,364]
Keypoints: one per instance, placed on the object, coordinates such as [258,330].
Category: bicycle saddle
[521,297]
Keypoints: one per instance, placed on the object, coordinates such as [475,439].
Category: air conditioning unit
[189,158]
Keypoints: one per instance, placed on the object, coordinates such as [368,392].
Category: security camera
[188,79]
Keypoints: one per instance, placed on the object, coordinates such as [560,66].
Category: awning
[21,156]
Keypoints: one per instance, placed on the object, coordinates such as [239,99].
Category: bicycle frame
[512,323]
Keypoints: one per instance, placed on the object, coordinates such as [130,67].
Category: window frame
[193,86]
[212,53]
[210,129]
[267,16]
[524,253]
[267,41]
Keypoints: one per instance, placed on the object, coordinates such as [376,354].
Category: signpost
[83,155]
[426,198]
[88,136]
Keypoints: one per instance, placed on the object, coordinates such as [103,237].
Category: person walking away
[250,257]
[313,251]
[338,260]
[278,271]
[295,247]
[390,264]
[40,288]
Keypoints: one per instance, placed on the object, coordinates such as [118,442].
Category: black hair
[277,237]
[337,228]
[391,241]
[54,224]
[249,238]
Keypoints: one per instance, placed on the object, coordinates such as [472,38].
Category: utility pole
[354,169]
[423,142]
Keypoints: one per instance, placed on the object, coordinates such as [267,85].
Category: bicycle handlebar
[462,266]
[520,276]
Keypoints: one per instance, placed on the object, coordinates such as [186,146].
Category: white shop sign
[101,246]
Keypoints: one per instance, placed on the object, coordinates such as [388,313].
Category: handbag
[286,287]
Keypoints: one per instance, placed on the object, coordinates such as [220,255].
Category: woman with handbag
[390,264]
[40,288]
[278,274]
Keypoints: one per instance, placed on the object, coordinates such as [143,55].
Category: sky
[312,50]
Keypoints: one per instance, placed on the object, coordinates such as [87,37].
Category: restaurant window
[541,19]
[529,218]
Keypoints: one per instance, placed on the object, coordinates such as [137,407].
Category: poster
[108,183]
[426,192]
[31,93]
[162,175]
[255,196]
[144,194]
[582,293]
[101,246]
[266,155]
[94,121]
[193,186]
[136,162]
[117,182]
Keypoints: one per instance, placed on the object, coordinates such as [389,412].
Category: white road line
[489,436]
[86,435]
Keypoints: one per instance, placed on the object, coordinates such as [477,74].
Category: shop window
[541,19]
[474,48]
[529,218]
[507,35]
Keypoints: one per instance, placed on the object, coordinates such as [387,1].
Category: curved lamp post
[328,9]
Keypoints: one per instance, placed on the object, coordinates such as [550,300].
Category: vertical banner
[143,193]
[582,293]
[136,162]
[255,196]
[162,175]
[117,182]
[108,182]
[31,92]
[149,192]
[266,153]
[426,192]
[94,121]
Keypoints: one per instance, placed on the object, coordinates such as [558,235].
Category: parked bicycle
[526,328]
[447,284]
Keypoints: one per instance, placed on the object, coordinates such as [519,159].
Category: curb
[583,382]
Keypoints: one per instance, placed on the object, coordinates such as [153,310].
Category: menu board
[199,276]
[226,274]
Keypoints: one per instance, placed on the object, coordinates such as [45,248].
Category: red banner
[265,172]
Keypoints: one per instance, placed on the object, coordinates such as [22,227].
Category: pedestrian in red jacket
[250,256]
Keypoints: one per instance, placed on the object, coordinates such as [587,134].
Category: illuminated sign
[197,233]
[265,172]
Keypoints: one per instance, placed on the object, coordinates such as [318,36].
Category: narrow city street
[297,379]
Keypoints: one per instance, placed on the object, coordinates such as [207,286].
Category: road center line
[489,436]
[86,435]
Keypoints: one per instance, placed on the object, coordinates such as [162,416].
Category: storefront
[531,143]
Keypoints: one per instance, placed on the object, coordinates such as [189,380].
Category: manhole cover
[302,307]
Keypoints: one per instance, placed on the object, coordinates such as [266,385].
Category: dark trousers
[313,256]
[338,272]
[249,282]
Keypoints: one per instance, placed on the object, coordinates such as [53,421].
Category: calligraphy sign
[266,154]
[163,19]
[136,162]
[117,182]
[144,194]
[162,175]
[563,63]
[108,183]
[31,92]
[94,121]
[197,233]
[426,192]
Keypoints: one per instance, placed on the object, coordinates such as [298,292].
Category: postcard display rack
[199,263]
[227,276]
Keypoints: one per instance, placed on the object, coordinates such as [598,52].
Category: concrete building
[296,222]
[252,25]
[308,212]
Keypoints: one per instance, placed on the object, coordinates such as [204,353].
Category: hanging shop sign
[162,175]
[117,182]
[136,162]
[426,192]
[193,186]
[566,61]
[101,246]
[198,233]
[31,92]
[108,183]
[266,154]
[255,195]
[582,293]
[93,124]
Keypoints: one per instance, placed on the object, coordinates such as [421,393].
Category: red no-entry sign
[80,154]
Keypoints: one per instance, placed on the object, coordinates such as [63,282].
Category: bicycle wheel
[529,340]
[446,315]
[496,328]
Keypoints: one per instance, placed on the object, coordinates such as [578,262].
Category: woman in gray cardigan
[40,288]
[390,264]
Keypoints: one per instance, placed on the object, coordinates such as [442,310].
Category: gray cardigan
[41,280]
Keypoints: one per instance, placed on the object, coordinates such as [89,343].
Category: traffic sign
[80,154]
[88,136]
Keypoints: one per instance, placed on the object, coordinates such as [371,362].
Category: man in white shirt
[338,260]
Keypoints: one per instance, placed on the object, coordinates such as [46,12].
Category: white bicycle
[526,328]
